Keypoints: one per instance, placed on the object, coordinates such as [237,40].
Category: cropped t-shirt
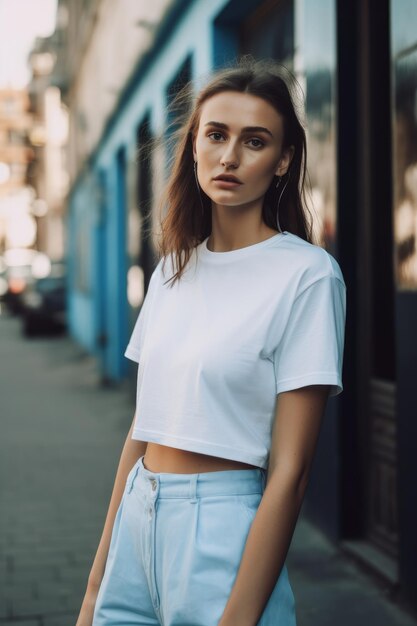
[237,329]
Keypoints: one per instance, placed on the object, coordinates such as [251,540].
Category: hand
[85,617]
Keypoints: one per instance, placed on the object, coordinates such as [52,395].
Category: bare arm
[131,452]
[294,437]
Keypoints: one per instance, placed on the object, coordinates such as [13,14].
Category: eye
[215,135]
[258,142]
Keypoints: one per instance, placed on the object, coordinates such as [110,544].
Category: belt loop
[193,488]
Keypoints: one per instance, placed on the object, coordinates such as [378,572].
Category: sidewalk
[330,589]
[61,438]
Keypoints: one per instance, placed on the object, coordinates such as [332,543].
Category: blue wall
[81,264]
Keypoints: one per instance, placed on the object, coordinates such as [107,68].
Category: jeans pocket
[131,477]
[249,503]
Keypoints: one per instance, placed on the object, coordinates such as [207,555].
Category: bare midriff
[159,458]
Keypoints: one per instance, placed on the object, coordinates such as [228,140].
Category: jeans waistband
[224,482]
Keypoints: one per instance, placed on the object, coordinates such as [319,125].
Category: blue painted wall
[100,272]
[81,264]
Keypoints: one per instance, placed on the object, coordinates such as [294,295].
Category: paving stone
[63,620]
[40,606]
[22,623]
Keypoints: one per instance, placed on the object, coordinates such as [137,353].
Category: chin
[227,200]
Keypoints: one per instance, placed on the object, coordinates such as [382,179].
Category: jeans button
[153,482]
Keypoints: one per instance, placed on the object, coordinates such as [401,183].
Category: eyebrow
[246,129]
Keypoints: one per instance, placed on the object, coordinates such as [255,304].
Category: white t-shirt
[238,328]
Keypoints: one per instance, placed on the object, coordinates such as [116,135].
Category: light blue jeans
[176,546]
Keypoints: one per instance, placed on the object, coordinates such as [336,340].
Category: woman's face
[239,135]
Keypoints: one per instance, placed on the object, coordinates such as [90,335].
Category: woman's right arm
[132,450]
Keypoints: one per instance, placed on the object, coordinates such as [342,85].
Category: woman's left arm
[295,433]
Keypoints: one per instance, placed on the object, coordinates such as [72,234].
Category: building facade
[15,158]
[356,65]
[48,138]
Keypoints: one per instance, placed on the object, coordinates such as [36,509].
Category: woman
[239,344]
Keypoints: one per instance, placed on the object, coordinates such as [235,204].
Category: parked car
[4,285]
[18,280]
[44,306]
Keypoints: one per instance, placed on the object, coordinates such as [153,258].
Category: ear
[285,161]
[194,148]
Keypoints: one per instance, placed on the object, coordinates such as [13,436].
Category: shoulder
[163,268]
[312,261]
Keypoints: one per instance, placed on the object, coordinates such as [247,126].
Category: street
[61,438]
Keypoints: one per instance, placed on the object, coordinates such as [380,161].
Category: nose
[230,156]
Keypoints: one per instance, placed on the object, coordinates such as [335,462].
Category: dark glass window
[269,32]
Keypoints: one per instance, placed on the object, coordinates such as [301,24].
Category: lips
[228,178]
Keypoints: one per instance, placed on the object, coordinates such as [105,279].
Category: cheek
[260,170]
[208,158]
[208,152]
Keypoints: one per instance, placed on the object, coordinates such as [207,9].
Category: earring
[280,196]
[198,187]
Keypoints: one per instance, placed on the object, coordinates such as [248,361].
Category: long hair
[187,218]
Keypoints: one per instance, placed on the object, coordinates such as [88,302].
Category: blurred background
[84,90]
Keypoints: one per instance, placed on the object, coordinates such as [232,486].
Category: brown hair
[187,219]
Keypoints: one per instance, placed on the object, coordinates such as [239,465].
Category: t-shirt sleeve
[311,350]
[134,346]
